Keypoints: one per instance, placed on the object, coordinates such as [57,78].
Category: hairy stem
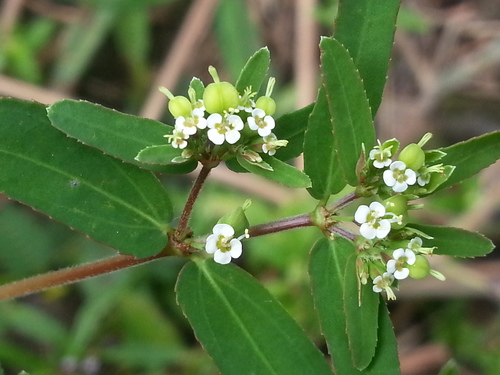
[302,220]
[70,275]
[188,208]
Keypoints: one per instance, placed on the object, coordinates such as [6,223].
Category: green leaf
[326,269]
[366,29]
[282,172]
[470,157]
[199,88]
[455,241]
[320,157]
[236,34]
[349,110]
[114,203]
[118,134]
[241,325]
[291,127]
[158,154]
[254,71]
[361,310]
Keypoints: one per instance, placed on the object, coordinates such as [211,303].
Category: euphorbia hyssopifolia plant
[95,170]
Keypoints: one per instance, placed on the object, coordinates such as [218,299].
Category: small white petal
[411,177]
[384,228]
[214,119]
[400,165]
[376,288]
[410,256]
[367,231]
[211,244]
[388,177]
[252,124]
[377,209]
[216,137]
[225,230]
[222,258]
[398,253]
[233,136]
[264,131]
[236,248]
[235,121]
[391,266]
[403,274]
[361,214]
[258,112]
[399,187]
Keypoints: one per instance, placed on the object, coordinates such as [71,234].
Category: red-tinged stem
[292,222]
[72,274]
[188,208]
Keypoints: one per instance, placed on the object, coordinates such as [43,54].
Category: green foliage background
[129,322]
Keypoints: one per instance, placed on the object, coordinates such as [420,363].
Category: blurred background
[444,78]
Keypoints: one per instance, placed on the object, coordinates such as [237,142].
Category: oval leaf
[118,134]
[470,157]
[320,156]
[349,109]
[282,172]
[326,269]
[241,325]
[366,29]
[254,71]
[455,241]
[291,127]
[361,306]
[159,154]
[114,203]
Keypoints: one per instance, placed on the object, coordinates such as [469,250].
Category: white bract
[222,244]
[372,222]
[224,128]
[384,282]
[399,177]
[397,265]
[178,138]
[271,143]
[260,122]
[381,157]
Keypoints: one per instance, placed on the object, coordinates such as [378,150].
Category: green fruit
[267,104]
[219,97]
[413,156]
[420,269]
[180,106]
[398,205]
[237,219]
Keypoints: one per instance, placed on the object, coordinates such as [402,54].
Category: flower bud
[237,219]
[267,104]
[420,269]
[219,97]
[180,106]
[413,156]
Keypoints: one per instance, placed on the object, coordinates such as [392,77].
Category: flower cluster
[217,121]
[389,250]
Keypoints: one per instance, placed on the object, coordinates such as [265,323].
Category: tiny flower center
[222,128]
[400,263]
[399,175]
[223,244]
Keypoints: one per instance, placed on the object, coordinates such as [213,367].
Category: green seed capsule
[420,269]
[237,219]
[413,156]
[219,97]
[267,104]
[180,106]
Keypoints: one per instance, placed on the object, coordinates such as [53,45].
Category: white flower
[191,124]
[423,178]
[399,177]
[260,122]
[271,143]
[383,282]
[381,156]
[415,245]
[222,244]
[372,222]
[397,265]
[177,138]
[224,128]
